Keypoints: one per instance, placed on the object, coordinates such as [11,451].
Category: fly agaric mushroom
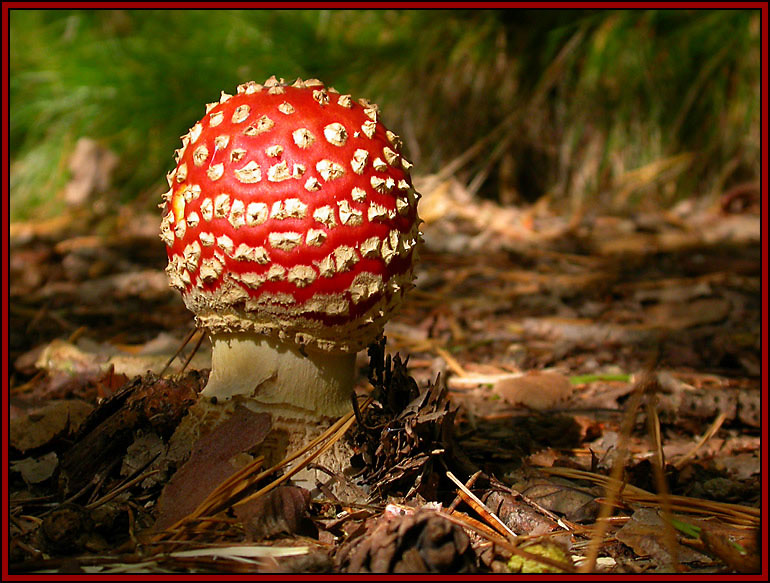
[291,228]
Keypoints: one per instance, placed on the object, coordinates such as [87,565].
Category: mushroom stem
[275,377]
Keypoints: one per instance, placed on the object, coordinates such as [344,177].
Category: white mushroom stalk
[270,375]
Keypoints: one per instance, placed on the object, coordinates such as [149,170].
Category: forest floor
[587,398]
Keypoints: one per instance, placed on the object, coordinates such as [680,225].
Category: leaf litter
[555,395]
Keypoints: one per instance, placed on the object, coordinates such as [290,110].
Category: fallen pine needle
[735,514]
[451,361]
[473,501]
[710,432]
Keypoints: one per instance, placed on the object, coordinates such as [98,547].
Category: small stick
[507,544]
[473,501]
[469,485]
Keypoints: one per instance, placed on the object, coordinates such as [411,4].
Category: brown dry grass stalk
[495,531]
[653,424]
[613,486]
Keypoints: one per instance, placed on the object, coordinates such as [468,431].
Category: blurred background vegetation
[610,110]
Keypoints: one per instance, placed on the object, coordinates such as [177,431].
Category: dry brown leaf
[678,315]
[89,357]
[645,533]
[517,515]
[737,548]
[282,511]
[574,503]
[91,166]
[210,463]
[40,426]
[535,390]
[146,404]
[36,470]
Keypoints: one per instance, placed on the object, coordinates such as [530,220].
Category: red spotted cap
[291,213]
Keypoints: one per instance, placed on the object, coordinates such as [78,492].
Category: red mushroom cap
[291,213]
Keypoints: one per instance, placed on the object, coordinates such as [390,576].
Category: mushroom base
[275,377]
[304,393]
[285,437]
